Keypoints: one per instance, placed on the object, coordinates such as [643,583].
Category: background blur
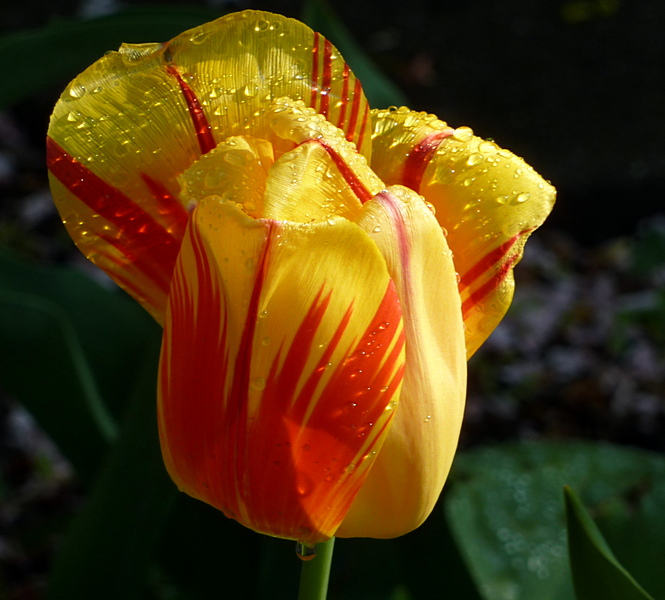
[577,88]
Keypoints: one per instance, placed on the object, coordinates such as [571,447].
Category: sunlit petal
[272,405]
[322,176]
[408,476]
[129,125]
[236,170]
[488,200]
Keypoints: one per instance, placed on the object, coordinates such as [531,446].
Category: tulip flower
[322,271]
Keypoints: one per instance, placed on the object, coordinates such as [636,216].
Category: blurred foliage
[81,358]
[596,572]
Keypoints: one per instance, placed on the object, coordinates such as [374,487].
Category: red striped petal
[487,199]
[273,404]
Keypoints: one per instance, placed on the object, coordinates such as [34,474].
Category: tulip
[322,271]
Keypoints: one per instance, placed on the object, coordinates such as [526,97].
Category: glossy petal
[272,405]
[487,199]
[236,171]
[128,126]
[413,464]
[322,176]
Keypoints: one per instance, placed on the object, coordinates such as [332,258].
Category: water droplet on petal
[523,197]
[251,90]
[305,552]
[486,146]
[258,383]
[474,159]
[463,134]
[77,91]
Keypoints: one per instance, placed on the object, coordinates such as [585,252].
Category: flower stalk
[315,573]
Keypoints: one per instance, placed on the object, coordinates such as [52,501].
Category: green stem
[315,573]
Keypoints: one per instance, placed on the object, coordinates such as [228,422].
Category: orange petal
[488,200]
[281,364]
[409,473]
[128,126]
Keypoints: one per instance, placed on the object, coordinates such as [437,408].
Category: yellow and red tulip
[321,270]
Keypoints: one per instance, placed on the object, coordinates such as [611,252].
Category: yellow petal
[413,464]
[322,176]
[129,125]
[273,404]
[236,171]
[488,200]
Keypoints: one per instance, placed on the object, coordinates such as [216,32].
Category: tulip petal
[322,176]
[409,473]
[128,126]
[236,171]
[488,200]
[272,405]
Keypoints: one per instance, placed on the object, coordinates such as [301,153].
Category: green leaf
[380,91]
[504,507]
[597,574]
[69,351]
[37,58]
[110,548]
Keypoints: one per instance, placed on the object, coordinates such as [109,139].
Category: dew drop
[200,38]
[486,146]
[463,134]
[475,159]
[258,383]
[377,229]
[251,90]
[305,552]
[77,91]
[266,341]
[523,197]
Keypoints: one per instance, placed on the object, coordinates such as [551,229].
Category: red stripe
[420,156]
[199,120]
[238,398]
[353,181]
[147,244]
[488,261]
[489,286]
[344,99]
[327,78]
[353,121]
[168,205]
[315,71]
[363,128]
